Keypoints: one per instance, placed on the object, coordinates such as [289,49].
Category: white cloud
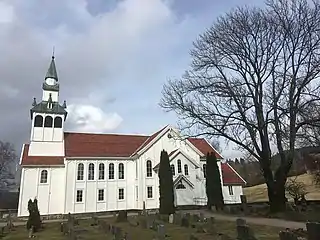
[6,13]
[88,118]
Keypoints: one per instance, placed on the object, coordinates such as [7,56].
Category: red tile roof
[203,146]
[106,145]
[39,160]
[101,145]
[230,176]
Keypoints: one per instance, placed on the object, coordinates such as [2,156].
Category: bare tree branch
[253,78]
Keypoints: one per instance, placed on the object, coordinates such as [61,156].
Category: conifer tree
[166,185]
[34,220]
[213,182]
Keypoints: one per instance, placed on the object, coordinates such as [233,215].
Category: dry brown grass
[259,193]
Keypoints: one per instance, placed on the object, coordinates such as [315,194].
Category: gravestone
[286,235]
[241,222]
[244,233]
[244,204]
[118,234]
[143,222]
[195,218]
[2,231]
[202,218]
[122,216]
[177,218]
[313,229]
[31,233]
[161,234]
[144,212]
[185,222]
[94,220]
[171,218]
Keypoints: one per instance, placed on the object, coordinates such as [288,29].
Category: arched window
[91,171]
[121,171]
[149,168]
[80,172]
[205,170]
[101,171]
[48,121]
[179,166]
[186,170]
[58,122]
[173,171]
[44,176]
[111,171]
[38,121]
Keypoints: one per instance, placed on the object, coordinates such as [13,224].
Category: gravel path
[273,222]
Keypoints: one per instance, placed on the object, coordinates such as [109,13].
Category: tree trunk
[277,198]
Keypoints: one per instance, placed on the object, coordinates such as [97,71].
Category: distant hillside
[259,193]
[251,172]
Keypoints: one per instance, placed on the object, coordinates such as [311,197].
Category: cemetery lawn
[52,231]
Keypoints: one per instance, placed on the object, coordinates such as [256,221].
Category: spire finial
[53,48]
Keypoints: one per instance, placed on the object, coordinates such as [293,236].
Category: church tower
[48,117]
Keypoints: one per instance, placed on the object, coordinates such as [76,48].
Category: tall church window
[173,171]
[80,172]
[149,168]
[101,171]
[111,171]
[205,170]
[44,176]
[121,171]
[58,122]
[38,121]
[91,171]
[48,121]
[179,166]
[186,170]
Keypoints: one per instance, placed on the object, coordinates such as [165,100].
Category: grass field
[52,232]
[259,193]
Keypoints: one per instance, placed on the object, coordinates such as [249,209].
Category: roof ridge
[113,134]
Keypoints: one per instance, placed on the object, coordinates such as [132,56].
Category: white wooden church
[84,172]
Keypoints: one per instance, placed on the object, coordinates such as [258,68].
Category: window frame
[173,169]
[48,122]
[57,122]
[99,195]
[91,172]
[121,171]
[179,166]
[80,177]
[45,176]
[230,189]
[148,188]
[149,169]
[186,170]
[119,190]
[82,195]
[109,171]
[37,120]
[101,171]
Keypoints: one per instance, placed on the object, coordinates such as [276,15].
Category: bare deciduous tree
[253,78]
[8,159]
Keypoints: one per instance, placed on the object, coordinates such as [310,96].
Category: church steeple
[52,71]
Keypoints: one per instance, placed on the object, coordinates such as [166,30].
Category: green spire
[52,71]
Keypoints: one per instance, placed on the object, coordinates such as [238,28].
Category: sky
[112,58]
